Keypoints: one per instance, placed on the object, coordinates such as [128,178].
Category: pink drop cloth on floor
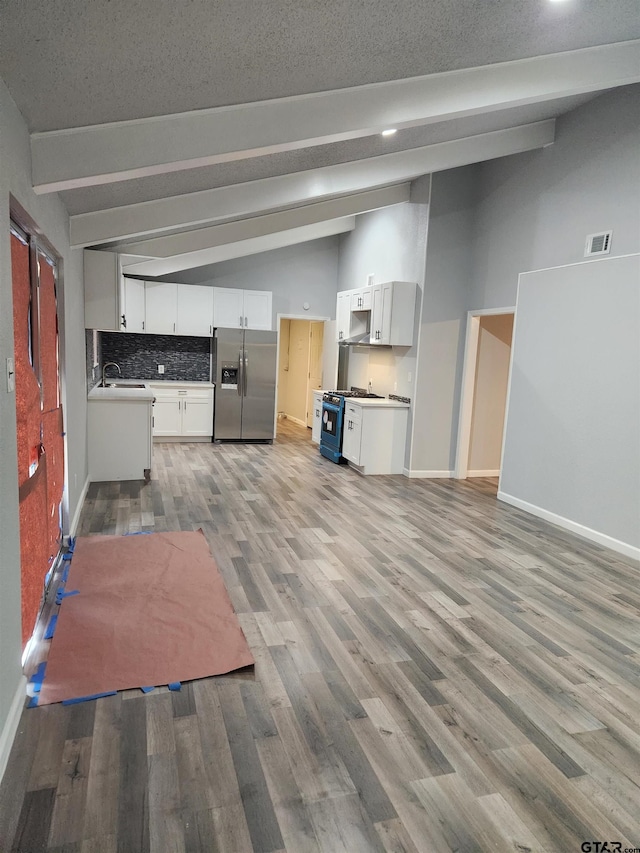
[151,609]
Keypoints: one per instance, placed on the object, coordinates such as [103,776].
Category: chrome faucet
[110,364]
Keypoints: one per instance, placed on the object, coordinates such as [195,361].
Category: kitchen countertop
[372,402]
[146,393]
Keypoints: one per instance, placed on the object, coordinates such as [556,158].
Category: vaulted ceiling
[184,133]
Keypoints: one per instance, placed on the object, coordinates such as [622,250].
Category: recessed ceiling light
[390,131]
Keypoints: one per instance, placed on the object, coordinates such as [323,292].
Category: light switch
[11,376]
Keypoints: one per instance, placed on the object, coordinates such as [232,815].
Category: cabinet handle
[124,322]
[340,335]
[241,320]
[185,405]
[174,327]
[143,325]
[210,330]
[246,322]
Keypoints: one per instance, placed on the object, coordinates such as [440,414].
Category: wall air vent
[598,244]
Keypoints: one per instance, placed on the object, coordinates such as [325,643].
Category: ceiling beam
[251,246]
[88,156]
[255,197]
[270,223]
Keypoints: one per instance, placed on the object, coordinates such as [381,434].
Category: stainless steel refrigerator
[245,396]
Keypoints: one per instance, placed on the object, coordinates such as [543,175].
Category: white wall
[295,398]
[390,245]
[296,274]
[571,451]
[535,209]
[51,217]
[490,393]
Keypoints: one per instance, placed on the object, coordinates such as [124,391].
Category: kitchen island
[119,425]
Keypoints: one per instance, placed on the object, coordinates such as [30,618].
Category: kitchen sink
[122,385]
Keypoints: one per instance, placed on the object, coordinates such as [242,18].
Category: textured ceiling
[192,180]
[76,63]
[69,63]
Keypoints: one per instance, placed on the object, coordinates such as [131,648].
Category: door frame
[467,390]
[279,317]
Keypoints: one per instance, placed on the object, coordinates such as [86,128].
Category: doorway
[484,393]
[301,348]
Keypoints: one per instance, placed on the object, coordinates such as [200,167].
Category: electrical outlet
[161,368]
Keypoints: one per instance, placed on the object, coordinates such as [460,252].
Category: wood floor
[436,671]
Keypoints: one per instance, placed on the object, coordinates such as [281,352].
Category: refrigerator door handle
[245,372]
[241,374]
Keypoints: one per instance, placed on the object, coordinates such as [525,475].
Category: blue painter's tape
[67,556]
[38,676]
[88,698]
[33,702]
[72,543]
[51,627]
[139,533]
[175,685]
[62,594]
[147,689]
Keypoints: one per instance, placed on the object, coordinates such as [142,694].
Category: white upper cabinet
[241,309]
[102,286]
[195,310]
[161,307]
[257,309]
[361,299]
[343,315]
[228,308]
[392,313]
[132,316]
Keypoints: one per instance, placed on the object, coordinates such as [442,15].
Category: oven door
[331,427]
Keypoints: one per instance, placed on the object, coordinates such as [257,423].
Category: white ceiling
[149,117]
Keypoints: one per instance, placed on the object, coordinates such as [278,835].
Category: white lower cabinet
[374,436]
[185,413]
[316,428]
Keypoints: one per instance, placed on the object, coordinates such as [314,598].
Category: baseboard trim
[298,421]
[417,474]
[75,521]
[573,526]
[487,473]
[11,724]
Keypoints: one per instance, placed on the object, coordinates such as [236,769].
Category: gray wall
[389,244]
[536,209]
[48,212]
[296,274]
[573,420]
[447,280]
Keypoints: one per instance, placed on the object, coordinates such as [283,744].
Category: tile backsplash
[185,359]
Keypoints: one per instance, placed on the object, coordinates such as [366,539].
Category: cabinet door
[167,416]
[361,299]
[195,310]
[228,308]
[133,307]
[101,290]
[381,312]
[352,433]
[343,315]
[316,428]
[161,307]
[197,414]
[257,309]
